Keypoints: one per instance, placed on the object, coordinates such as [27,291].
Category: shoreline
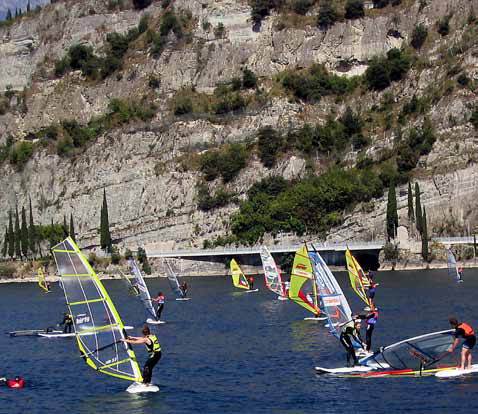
[385,267]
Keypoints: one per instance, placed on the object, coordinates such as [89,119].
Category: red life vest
[16,383]
[466,328]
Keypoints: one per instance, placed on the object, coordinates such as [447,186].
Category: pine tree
[24,234]
[72,227]
[32,239]
[105,235]
[11,236]
[392,214]
[18,235]
[411,212]
[418,208]
[65,227]
[424,236]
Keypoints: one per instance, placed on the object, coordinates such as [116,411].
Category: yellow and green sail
[238,278]
[303,287]
[42,280]
[357,277]
[98,327]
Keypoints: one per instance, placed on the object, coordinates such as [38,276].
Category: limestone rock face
[152,197]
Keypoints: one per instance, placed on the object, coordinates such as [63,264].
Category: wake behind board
[342,370]
[282,298]
[139,387]
[32,332]
[154,321]
[320,318]
[252,290]
[455,372]
[183,299]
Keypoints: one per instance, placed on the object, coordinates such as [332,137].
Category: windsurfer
[184,289]
[67,323]
[466,332]
[154,350]
[349,334]
[370,319]
[460,273]
[251,282]
[371,293]
[160,301]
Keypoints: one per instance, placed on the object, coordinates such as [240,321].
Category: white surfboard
[342,370]
[139,387]
[251,291]
[282,298]
[183,298]
[320,318]
[154,321]
[456,372]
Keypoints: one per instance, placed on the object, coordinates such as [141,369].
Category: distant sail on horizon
[453,266]
[42,280]
[142,287]
[272,274]
[173,281]
[98,327]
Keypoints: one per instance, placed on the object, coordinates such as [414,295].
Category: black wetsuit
[68,324]
[184,290]
[347,337]
[154,351]
[371,320]
[160,308]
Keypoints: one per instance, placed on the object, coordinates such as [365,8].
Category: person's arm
[454,345]
[135,340]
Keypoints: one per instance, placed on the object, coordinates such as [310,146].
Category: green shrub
[302,6]
[226,162]
[154,82]
[383,70]
[443,25]
[143,24]
[219,30]
[474,118]
[327,14]
[169,23]
[262,8]
[115,256]
[182,105]
[20,153]
[354,9]
[419,36]
[228,100]
[207,202]
[269,145]
[141,4]
[64,146]
[62,66]
[249,79]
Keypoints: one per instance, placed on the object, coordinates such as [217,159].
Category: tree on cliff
[18,236]
[28,7]
[72,227]
[105,235]
[418,208]
[424,236]
[65,227]
[141,4]
[9,14]
[11,236]
[24,234]
[392,214]
[5,244]
[411,212]
[32,238]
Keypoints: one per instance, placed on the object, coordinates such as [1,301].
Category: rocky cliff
[151,195]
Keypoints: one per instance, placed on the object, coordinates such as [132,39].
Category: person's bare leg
[463,358]
[468,359]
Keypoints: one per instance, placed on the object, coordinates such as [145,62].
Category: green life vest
[154,346]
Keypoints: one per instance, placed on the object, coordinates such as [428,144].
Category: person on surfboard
[460,274]
[67,323]
[370,319]
[184,289]
[466,332]
[349,334]
[154,351]
[371,293]
[251,282]
[160,299]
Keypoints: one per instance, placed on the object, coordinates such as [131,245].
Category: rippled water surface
[231,352]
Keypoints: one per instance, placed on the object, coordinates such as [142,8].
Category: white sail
[98,327]
[173,281]
[271,273]
[453,266]
[142,288]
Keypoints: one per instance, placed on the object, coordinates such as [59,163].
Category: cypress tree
[411,212]
[105,235]
[28,6]
[65,227]
[392,214]
[52,235]
[424,236]
[418,208]
[5,244]
[9,14]
[18,235]
[24,234]
[32,239]
[11,236]
[72,227]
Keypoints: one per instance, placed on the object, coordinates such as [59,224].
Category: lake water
[231,352]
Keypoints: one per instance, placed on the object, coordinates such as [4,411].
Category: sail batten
[271,273]
[98,327]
